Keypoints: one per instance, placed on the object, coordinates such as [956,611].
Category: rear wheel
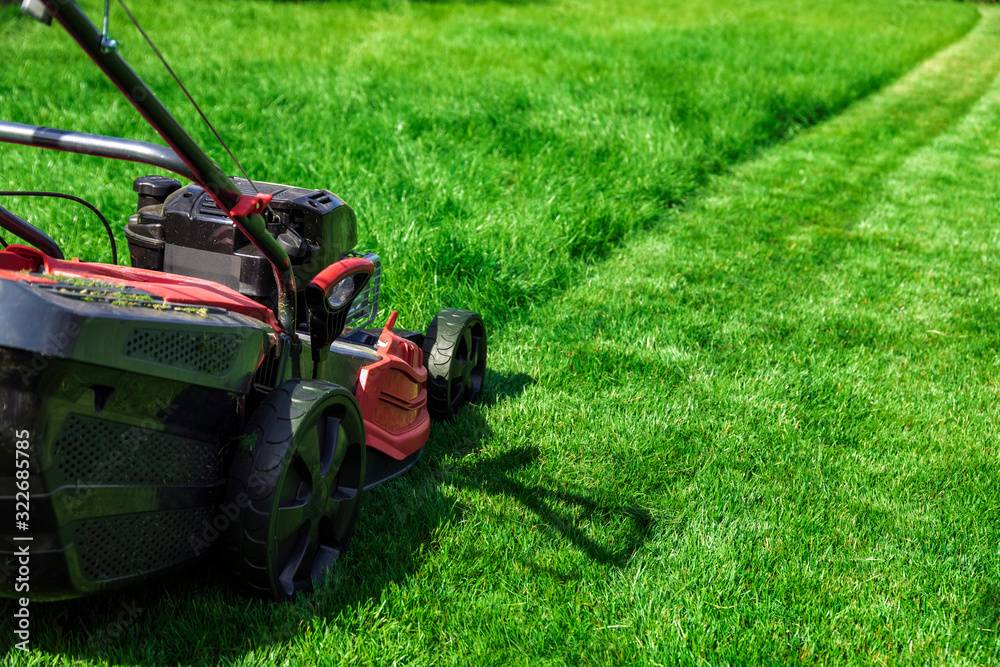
[455,356]
[294,489]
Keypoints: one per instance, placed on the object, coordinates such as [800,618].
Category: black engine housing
[182,230]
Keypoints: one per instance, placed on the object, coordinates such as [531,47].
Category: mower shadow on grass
[559,511]
[562,512]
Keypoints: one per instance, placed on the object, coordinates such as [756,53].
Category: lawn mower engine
[181,230]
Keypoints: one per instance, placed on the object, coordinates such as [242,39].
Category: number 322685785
[21,462]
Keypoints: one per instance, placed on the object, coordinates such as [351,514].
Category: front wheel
[295,487]
[455,356]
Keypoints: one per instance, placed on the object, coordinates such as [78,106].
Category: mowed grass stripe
[798,379]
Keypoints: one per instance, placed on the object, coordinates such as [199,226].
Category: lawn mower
[223,397]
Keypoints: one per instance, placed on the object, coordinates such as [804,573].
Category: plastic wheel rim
[315,509]
[468,366]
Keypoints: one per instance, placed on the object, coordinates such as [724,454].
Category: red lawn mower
[222,397]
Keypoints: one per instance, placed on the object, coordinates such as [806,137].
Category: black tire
[455,356]
[294,489]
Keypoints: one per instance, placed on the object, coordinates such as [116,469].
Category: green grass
[760,432]
[516,140]
[807,405]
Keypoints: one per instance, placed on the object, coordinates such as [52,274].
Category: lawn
[744,360]
[518,141]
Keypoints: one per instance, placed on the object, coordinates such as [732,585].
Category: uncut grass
[712,448]
[490,150]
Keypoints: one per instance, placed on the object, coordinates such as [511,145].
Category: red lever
[250,204]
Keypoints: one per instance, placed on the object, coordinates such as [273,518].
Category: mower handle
[99,145]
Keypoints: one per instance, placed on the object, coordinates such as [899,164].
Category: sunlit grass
[759,432]
[490,150]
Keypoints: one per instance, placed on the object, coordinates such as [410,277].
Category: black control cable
[60,195]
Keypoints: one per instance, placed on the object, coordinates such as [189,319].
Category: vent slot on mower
[91,450]
[128,544]
[200,352]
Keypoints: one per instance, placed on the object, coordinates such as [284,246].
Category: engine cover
[181,230]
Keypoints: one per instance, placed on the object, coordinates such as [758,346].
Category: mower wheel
[294,489]
[455,356]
